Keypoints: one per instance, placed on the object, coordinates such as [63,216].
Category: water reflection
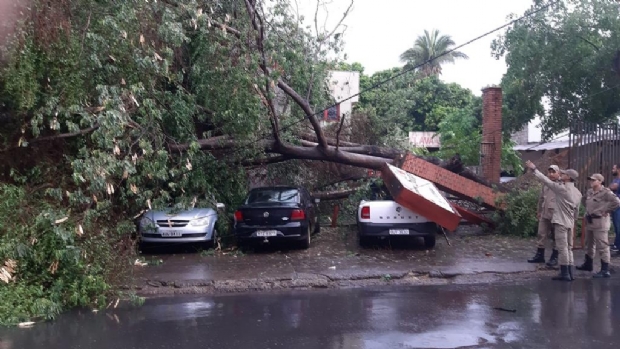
[571,315]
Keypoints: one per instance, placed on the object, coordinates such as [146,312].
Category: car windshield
[273,195]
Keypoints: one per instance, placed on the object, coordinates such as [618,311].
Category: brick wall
[451,182]
[491,147]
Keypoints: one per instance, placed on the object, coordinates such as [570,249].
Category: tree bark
[335,194]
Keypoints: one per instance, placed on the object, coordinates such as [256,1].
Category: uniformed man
[544,213]
[567,200]
[600,202]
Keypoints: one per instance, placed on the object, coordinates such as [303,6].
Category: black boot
[570,273]
[564,276]
[604,273]
[587,265]
[539,257]
[553,260]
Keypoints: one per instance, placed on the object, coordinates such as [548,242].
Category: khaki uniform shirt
[598,205]
[567,200]
[546,203]
[577,198]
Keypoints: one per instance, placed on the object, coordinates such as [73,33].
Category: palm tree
[427,47]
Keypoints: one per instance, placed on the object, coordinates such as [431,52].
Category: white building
[530,138]
[344,87]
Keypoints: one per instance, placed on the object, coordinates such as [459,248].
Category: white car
[386,218]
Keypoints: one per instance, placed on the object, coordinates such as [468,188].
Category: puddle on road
[475,328]
[452,337]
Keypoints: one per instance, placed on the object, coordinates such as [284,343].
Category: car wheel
[429,241]
[317,227]
[364,241]
[211,243]
[305,243]
[143,247]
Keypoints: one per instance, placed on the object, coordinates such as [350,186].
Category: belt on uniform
[594,216]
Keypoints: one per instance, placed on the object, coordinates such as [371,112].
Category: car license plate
[399,231]
[264,233]
[170,234]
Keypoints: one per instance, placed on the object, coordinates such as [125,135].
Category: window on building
[332,113]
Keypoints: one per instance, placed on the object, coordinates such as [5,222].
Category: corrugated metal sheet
[542,146]
[575,140]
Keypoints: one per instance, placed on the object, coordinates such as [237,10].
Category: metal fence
[594,148]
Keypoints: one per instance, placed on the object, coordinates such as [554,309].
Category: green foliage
[348,209]
[460,132]
[564,55]
[428,46]
[56,268]
[132,80]
[519,218]
[510,157]
[411,103]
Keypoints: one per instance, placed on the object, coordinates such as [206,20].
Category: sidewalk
[335,260]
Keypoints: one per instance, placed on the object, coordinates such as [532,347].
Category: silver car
[196,225]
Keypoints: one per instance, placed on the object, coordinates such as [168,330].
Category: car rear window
[273,195]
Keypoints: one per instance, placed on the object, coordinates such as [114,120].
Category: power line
[406,71]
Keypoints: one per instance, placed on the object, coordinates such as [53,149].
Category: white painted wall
[342,85]
[534,132]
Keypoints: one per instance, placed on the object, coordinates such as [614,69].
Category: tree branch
[330,141]
[356,177]
[54,137]
[338,132]
[372,150]
[213,143]
[307,110]
[265,161]
[220,25]
[65,135]
[334,195]
[260,40]
[330,154]
[344,15]
[226,28]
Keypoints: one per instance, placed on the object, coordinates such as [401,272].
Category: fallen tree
[111,108]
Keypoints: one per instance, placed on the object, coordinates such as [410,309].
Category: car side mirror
[220,206]
[317,200]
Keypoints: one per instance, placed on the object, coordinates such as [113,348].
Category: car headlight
[198,222]
[146,224]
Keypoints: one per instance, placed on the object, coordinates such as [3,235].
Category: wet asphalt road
[583,314]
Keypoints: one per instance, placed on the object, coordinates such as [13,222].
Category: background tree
[407,104]
[429,46]
[562,58]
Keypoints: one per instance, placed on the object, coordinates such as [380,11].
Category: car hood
[180,215]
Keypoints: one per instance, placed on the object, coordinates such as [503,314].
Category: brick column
[491,147]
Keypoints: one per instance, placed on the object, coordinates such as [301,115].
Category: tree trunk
[335,194]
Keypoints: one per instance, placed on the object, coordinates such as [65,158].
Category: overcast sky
[379,31]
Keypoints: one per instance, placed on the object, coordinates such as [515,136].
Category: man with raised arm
[567,200]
